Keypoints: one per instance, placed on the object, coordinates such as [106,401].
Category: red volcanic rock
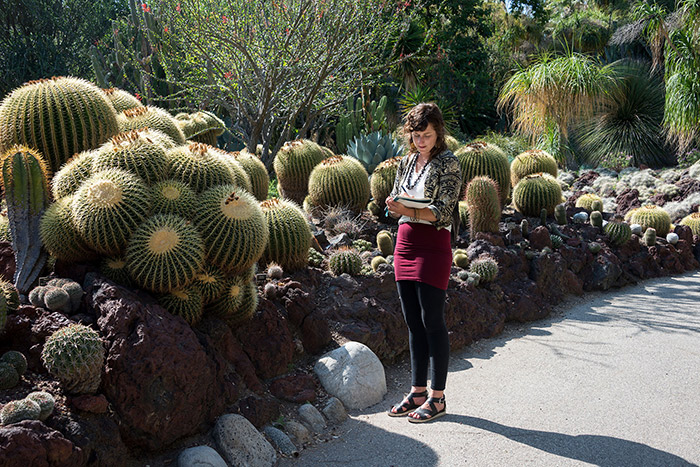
[258,410]
[539,238]
[92,404]
[7,261]
[31,443]
[585,179]
[159,380]
[297,388]
[626,200]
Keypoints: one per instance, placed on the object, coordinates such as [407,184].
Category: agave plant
[629,121]
[374,148]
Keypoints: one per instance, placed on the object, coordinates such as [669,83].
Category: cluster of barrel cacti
[38,405]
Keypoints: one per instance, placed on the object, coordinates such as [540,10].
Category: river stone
[353,374]
[335,411]
[200,456]
[298,431]
[241,443]
[312,418]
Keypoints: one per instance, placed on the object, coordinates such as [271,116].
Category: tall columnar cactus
[536,192]
[373,149]
[596,219]
[186,303]
[199,166]
[173,197]
[693,221]
[134,152]
[618,231]
[382,181]
[484,206]
[75,355]
[338,181]
[74,172]
[151,117]
[290,235]
[59,236]
[59,117]
[560,214]
[165,253]
[481,158]
[650,236]
[108,207]
[254,167]
[586,201]
[345,261]
[121,100]
[233,228]
[532,162]
[651,216]
[350,124]
[211,282]
[293,165]
[26,186]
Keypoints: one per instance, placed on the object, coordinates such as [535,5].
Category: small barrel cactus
[16,411]
[652,216]
[650,236]
[618,231]
[338,181]
[536,192]
[485,159]
[693,221]
[8,376]
[485,266]
[46,403]
[531,162]
[377,261]
[11,296]
[315,258]
[55,298]
[115,270]
[289,234]
[186,303]
[293,165]
[672,238]
[597,219]
[385,243]
[525,227]
[483,204]
[597,205]
[594,247]
[151,117]
[75,355]
[362,245]
[345,261]
[461,260]
[382,181]
[557,241]
[586,200]
[226,307]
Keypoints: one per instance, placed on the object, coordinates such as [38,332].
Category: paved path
[612,379]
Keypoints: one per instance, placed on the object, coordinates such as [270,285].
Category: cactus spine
[531,162]
[338,181]
[186,303]
[74,355]
[536,192]
[485,266]
[290,235]
[484,206]
[59,117]
[293,165]
[211,282]
[482,158]
[25,182]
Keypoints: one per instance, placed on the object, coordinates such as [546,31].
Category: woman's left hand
[398,208]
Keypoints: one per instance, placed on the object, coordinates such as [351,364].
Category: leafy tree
[44,38]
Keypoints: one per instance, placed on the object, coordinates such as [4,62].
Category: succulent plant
[531,162]
[597,205]
[693,221]
[200,166]
[46,403]
[227,305]
[121,100]
[59,117]
[240,176]
[362,245]
[382,180]
[293,165]
[557,241]
[385,243]
[315,258]
[5,228]
[463,212]
[75,171]
[618,231]
[257,173]
[74,355]
[346,261]
[55,298]
[525,227]
[483,204]
[75,292]
[115,270]
[107,209]
[211,282]
[19,410]
[649,236]
[9,377]
[377,261]
[151,117]
[461,260]
[373,149]
[651,216]
[16,359]
[173,197]
[134,152]
[274,271]
[289,234]
[186,303]
[485,266]
[595,247]
[485,159]
[560,214]
[338,181]
[201,126]
[233,228]
[59,235]
[36,296]
[11,296]
[165,253]
[597,219]
[536,192]
[25,182]
[248,305]
[586,200]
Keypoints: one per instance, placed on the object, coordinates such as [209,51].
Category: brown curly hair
[418,118]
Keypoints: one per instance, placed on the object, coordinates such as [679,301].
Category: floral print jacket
[442,185]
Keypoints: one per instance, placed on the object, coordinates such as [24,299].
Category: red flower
[228,75]
[224,19]
[177,8]
[137,95]
[146,8]
[165,29]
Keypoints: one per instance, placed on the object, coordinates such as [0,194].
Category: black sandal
[428,415]
[407,405]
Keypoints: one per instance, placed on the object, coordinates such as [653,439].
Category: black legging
[424,311]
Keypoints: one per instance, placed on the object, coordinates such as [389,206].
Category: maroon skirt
[423,253]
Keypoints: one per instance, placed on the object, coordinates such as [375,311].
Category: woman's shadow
[599,450]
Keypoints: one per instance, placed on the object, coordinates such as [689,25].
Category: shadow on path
[606,451]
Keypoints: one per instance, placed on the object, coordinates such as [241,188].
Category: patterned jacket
[442,185]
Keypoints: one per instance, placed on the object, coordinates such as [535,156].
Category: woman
[423,256]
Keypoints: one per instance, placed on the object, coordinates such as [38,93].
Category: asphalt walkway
[611,379]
